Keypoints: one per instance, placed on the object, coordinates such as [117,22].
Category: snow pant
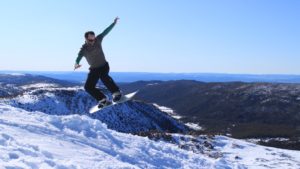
[93,77]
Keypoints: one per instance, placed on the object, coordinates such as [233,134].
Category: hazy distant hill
[245,110]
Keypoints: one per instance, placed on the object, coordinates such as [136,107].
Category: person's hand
[116,19]
[77,66]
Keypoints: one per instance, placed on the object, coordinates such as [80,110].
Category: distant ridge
[137,76]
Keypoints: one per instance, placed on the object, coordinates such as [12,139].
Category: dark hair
[86,34]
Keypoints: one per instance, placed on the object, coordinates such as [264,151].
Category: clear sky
[218,36]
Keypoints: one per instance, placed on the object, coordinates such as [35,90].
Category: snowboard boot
[104,102]
[117,96]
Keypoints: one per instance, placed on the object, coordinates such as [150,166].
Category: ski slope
[38,140]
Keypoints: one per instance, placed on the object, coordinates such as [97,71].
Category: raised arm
[108,29]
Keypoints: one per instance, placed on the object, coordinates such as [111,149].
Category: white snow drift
[38,140]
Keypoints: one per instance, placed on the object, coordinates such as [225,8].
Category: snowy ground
[168,110]
[38,140]
[172,113]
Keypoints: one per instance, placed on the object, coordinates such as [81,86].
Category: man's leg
[107,80]
[90,85]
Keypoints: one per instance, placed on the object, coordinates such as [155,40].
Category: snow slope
[132,116]
[38,140]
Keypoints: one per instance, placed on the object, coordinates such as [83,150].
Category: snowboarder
[99,67]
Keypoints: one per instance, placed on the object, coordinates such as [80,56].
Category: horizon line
[215,73]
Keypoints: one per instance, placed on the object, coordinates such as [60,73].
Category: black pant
[92,80]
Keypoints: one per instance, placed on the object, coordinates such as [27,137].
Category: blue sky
[244,36]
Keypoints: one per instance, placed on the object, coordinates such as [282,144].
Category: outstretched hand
[77,66]
[116,19]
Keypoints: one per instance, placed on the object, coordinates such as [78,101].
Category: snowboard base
[124,98]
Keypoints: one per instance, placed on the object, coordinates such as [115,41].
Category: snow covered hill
[130,117]
[38,140]
[15,84]
[56,97]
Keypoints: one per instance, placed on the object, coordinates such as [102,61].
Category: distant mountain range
[137,76]
[231,101]
[243,110]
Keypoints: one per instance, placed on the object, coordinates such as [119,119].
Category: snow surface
[16,74]
[172,113]
[39,140]
[168,110]
[194,126]
[257,140]
[39,85]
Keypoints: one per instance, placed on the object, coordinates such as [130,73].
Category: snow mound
[39,140]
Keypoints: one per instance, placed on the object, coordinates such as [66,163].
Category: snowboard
[124,98]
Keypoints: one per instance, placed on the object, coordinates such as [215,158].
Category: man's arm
[79,57]
[108,29]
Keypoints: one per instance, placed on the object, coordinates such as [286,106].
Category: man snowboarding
[99,67]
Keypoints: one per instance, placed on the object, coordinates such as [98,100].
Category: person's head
[90,37]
